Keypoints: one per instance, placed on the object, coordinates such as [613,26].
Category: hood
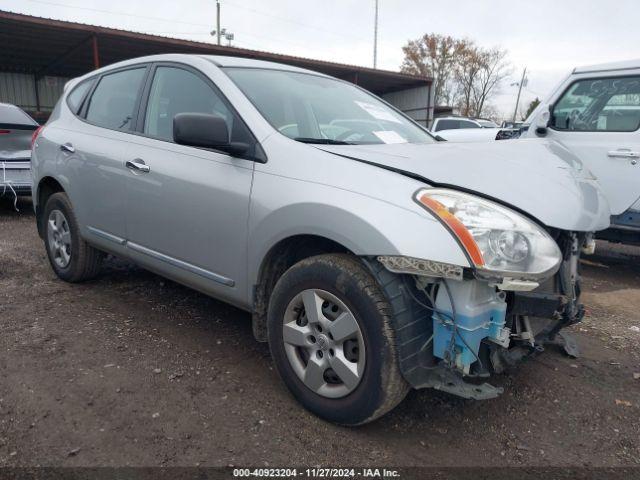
[537,176]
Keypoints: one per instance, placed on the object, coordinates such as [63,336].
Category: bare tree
[494,68]
[466,73]
[436,56]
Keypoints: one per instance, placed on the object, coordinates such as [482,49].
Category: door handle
[67,147]
[623,154]
[137,164]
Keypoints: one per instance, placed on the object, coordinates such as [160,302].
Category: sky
[549,37]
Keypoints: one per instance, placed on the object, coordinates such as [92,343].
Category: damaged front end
[465,324]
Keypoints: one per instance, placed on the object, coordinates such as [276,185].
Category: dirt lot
[131,369]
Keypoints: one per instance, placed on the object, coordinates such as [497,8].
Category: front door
[187,208]
[598,120]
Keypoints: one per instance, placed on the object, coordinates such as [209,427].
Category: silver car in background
[373,258]
[16,131]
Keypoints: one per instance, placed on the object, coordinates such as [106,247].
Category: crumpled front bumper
[464,331]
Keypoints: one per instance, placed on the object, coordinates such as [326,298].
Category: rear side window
[74,99]
[467,124]
[114,99]
[599,105]
[447,125]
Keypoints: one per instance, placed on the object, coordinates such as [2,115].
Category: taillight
[5,132]
[34,135]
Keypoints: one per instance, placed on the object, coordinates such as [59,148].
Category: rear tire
[72,259]
[343,285]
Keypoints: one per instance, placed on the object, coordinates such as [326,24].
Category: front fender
[364,225]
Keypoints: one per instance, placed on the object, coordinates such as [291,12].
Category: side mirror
[543,121]
[204,130]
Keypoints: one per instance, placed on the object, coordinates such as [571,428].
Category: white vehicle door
[598,120]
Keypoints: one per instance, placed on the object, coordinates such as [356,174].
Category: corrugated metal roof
[45,46]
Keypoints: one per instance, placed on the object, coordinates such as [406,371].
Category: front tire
[71,258]
[332,342]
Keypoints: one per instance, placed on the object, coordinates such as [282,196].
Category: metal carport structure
[40,54]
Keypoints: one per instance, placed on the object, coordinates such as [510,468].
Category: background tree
[436,56]
[532,106]
[494,68]
[465,75]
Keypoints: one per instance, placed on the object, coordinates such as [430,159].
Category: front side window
[114,99]
[175,90]
[605,104]
[315,109]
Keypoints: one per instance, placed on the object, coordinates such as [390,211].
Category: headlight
[496,239]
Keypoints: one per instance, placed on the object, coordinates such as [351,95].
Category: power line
[184,22]
[110,12]
[292,21]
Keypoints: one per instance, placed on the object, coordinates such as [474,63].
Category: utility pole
[515,112]
[375,38]
[218,20]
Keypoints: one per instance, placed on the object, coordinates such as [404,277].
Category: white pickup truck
[595,113]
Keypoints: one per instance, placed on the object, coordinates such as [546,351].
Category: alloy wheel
[59,238]
[324,343]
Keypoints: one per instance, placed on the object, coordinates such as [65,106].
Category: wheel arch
[280,257]
[47,186]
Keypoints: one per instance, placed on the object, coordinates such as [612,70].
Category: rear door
[598,119]
[187,209]
[95,152]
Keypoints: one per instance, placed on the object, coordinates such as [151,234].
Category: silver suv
[373,258]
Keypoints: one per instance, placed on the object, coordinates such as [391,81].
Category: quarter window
[605,104]
[113,101]
[75,97]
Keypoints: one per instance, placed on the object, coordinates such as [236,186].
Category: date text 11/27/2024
[316,472]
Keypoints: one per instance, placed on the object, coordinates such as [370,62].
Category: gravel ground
[132,369]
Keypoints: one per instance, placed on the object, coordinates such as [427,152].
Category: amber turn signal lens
[456,226]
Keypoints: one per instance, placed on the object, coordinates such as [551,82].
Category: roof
[625,65]
[222,61]
[44,46]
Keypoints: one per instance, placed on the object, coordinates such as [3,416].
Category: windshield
[314,109]
[13,115]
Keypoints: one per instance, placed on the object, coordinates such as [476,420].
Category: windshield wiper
[321,141]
